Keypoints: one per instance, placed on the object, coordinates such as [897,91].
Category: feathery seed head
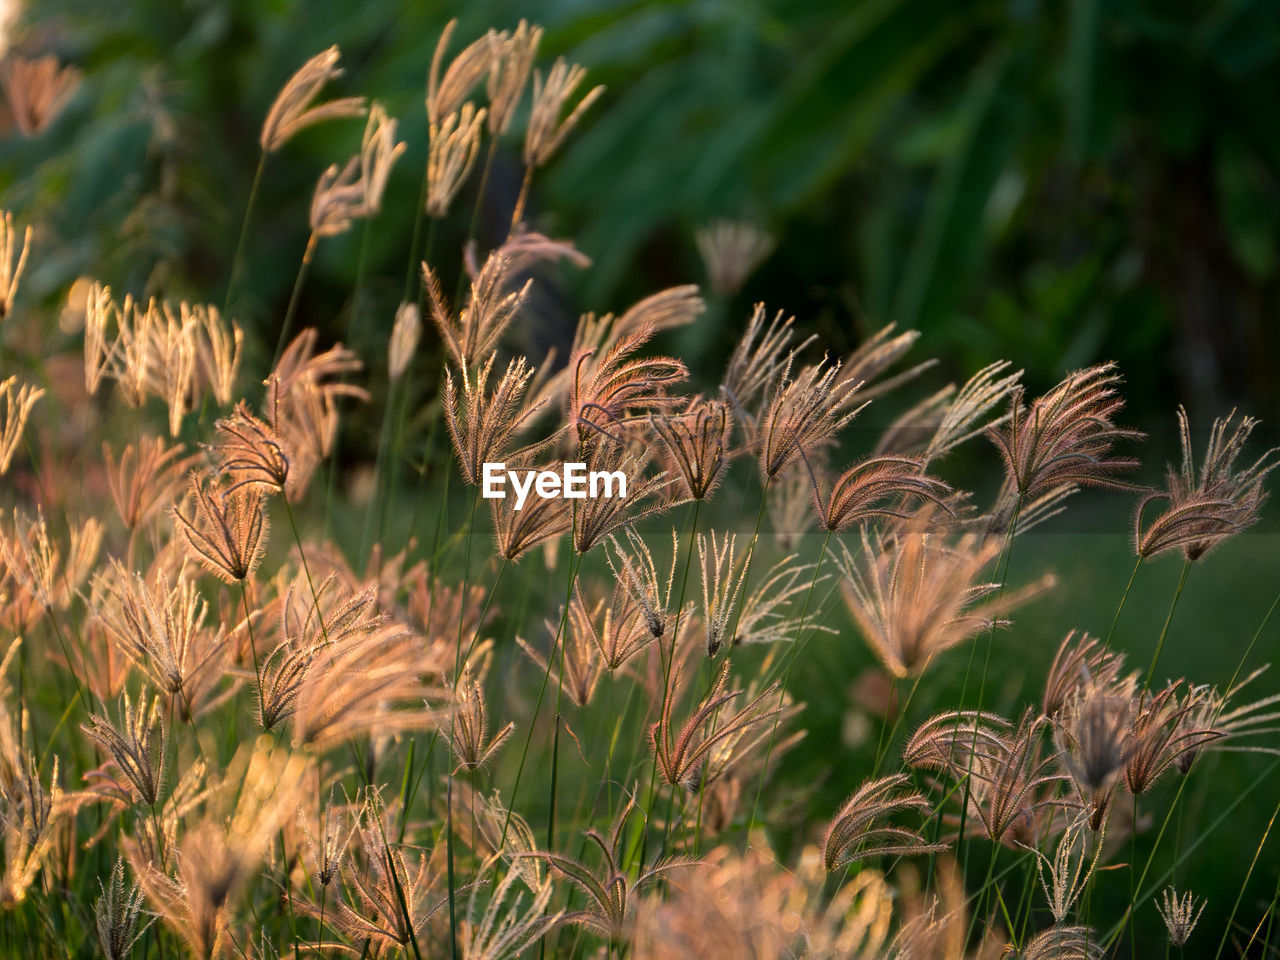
[1205,511]
[470,738]
[483,424]
[132,745]
[10,269]
[731,251]
[489,311]
[16,403]
[806,412]
[1180,913]
[455,144]
[405,335]
[227,530]
[612,388]
[445,93]
[636,573]
[146,478]
[913,595]
[116,914]
[551,94]
[37,90]
[250,453]
[511,60]
[683,756]
[862,828]
[292,109]
[721,585]
[695,443]
[858,494]
[1067,435]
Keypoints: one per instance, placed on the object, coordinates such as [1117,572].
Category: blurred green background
[1051,182]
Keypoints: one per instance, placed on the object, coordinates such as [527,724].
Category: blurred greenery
[1052,182]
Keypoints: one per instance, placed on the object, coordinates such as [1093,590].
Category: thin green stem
[786,677]
[1164,632]
[546,677]
[453,699]
[244,230]
[667,658]
[1125,596]
[1248,874]
[1002,565]
[287,325]
[253,647]
[882,749]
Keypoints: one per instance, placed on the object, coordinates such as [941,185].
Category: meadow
[863,664]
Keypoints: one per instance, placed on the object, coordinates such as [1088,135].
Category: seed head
[446,93]
[116,915]
[250,453]
[1205,511]
[292,110]
[227,530]
[757,363]
[11,270]
[581,662]
[145,479]
[483,424]
[637,574]
[1064,943]
[731,251]
[551,94]
[681,756]
[405,335]
[862,829]
[132,745]
[37,90]
[489,311]
[721,585]
[454,148]
[470,738]
[1067,435]
[695,442]
[511,60]
[877,487]
[541,521]
[806,412]
[1180,913]
[913,595]
[614,388]
[16,403]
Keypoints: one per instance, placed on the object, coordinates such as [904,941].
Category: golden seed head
[37,90]
[405,334]
[292,109]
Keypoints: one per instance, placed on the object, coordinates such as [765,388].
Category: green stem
[1125,596]
[1182,582]
[331,477]
[546,677]
[882,749]
[253,647]
[453,699]
[782,693]
[667,658]
[1248,874]
[244,229]
[285,327]
[1002,565]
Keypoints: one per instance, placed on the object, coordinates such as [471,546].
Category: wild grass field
[863,666]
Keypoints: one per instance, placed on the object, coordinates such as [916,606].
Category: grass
[325,677]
